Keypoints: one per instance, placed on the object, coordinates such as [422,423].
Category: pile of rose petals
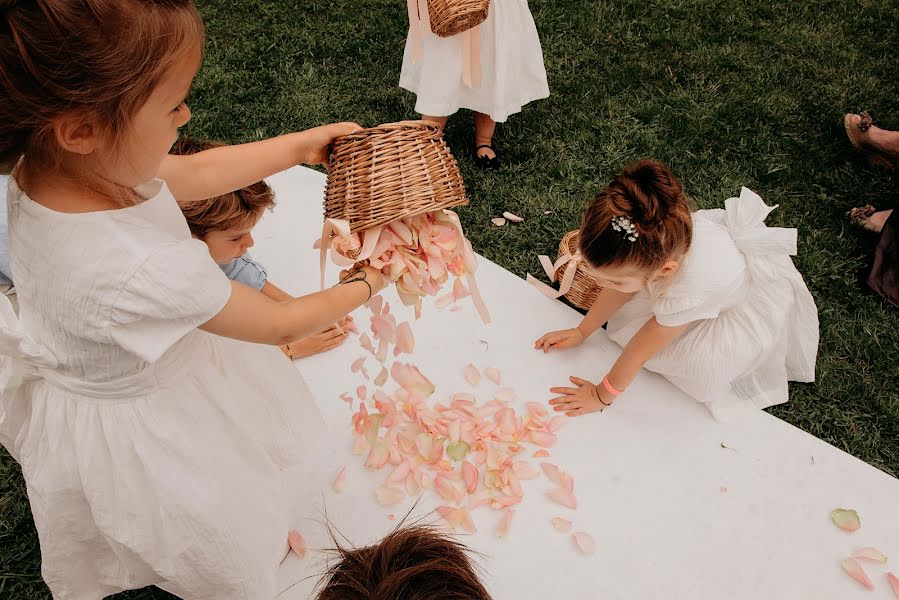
[848,521]
[418,254]
[472,454]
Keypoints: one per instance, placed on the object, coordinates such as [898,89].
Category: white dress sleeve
[176,288]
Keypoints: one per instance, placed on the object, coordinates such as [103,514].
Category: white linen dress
[753,323]
[512,71]
[152,452]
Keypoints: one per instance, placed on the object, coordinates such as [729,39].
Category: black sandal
[491,164]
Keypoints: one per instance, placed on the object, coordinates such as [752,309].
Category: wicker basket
[385,173]
[452,17]
[584,288]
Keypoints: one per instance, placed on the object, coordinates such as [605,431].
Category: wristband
[608,386]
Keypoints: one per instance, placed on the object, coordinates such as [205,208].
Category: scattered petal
[459,290]
[391,517]
[297,543]
[553,472]
[561,525]
[493,375]
[361,393]
[851,566]
[348,398]
[444,301]
[846,519]
[872,554]
[389,495]
[542,438]
[894,584]
[470,475]
[405,341]
[723,489]
[340,480]
[541,454]
[556,423]
[365,342]
[584,542]
[502,530]
[472,375]
[377,456]
[357,364]
[381,379]
[458,450]
[499,221]
[512,218]
[564,497]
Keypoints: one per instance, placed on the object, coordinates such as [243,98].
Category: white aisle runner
[681,507]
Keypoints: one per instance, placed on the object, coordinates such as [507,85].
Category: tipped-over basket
[452,17]
[584,289]
[397,170]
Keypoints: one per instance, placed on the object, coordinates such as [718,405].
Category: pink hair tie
[608,386]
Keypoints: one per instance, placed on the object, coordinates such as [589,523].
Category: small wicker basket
[584,288]
[392,171]
[452,17]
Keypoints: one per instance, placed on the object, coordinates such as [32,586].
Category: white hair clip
[624,224]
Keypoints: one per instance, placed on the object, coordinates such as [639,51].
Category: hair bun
[652,191]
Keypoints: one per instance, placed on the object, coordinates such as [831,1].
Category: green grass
[729,94]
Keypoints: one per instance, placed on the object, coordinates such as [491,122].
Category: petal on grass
[846,519]
[854,569]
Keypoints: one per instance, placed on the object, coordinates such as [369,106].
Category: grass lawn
[727,93]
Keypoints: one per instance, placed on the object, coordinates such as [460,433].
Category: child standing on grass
[152,436]
[710,300]
[510,63]
[225,225]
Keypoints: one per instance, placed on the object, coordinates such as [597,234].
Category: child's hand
[580,400]
[559,340]
[318,140]
[320,342]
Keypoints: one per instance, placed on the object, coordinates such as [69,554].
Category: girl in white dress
[152,435]
[493,70]
[710,300]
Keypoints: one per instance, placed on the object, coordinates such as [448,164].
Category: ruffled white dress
[152,452]
[511,65]
[753,322]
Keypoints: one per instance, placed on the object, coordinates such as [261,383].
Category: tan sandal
[856,131]
[860,217]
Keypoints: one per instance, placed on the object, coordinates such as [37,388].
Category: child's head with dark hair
[410,563]
[639,227]
[225,223]
[94,90]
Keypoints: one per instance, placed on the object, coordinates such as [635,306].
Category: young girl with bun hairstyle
[708,299]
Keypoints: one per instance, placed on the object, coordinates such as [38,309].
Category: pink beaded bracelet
[608,386]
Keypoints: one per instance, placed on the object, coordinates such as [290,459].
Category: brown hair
[102,58]
[410,563]
[647,193]
[237,209]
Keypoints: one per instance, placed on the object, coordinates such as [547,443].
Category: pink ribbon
[551,268]
[470,258]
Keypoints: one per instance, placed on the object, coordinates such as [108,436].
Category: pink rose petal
[388,496]
[564,497]
[553,472]
[361,393]
[357,364]
[584,542]
[846,519]
[561,525]
[340,480]
[872,554]
[411,379]
[377,456]
[556,423]
[502,530]
[459,290]
[894,584]
[493,375]
[472,375]
[375,304]
[346,397]
[365,342]
[541,454]
[512,218]
[381,379]
[543,438]
[444,301]
[851,566]
[297,543]
[470,475]
[405,341]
